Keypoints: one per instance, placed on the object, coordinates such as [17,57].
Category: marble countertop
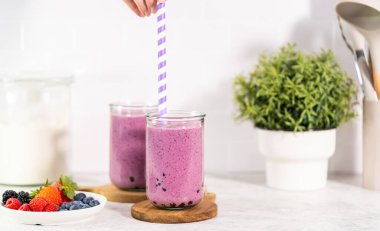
[245,203]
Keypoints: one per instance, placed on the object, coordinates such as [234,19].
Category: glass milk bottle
[34,127]
[127,144]
[175,159]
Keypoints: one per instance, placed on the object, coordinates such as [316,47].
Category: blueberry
[76,203]
[79,197]
[84,206]
[65,205]
[74,207]
[87,200]
[62,209]
[94,203]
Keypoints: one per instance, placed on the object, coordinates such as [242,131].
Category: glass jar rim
[133,105]
[176,115]
[37,77]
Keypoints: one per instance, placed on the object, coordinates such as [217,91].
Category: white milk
[32,151]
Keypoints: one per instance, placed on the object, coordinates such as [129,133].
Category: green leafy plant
[294,91]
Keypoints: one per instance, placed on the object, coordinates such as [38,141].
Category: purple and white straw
[161,42]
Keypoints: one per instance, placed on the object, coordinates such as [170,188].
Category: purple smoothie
[127,151]
[175,166]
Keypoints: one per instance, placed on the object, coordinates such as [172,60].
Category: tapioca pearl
[132,179]
[172,205]
[190,203]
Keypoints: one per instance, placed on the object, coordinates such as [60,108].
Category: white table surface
[245,203]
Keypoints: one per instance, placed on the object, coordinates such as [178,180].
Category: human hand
[143,7]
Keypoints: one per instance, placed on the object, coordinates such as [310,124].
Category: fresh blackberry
[9,194]
[23,197]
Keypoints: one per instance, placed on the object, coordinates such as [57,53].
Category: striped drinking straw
[162,93]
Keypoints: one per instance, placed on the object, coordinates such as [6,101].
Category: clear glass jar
[34,127]
[175,159]
[127,144]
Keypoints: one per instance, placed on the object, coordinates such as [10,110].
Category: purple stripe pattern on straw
[161,42]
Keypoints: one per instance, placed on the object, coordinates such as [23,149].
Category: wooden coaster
[145,211]
[114,194]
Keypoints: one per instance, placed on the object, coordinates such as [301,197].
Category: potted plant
[296,101]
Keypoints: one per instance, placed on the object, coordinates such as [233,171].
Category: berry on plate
[25,207]
[50,194]
[79,197]
[51,208]
[87,200]
[94,203]
[12,203]
[23,197]
[85,206]
[38,204]
[61,191]
[9,194]
[67,188]
[75,207]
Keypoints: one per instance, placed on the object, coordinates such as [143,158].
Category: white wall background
[113,55]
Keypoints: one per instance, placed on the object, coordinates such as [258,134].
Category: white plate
[55,218]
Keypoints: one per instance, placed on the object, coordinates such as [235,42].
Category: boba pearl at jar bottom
[175,165]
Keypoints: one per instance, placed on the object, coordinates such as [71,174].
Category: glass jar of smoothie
[175,159]
[127,145]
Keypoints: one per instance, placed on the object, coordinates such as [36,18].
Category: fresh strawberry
[58,184]
[66,199]
[38,204]
[68,186]
[51,208]
[12,203]
[25,207]
[61,191]
[51,195]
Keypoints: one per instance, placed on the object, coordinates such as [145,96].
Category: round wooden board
[114,194]
[145,211]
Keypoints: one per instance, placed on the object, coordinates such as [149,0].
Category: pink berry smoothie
[127,151]
[175,166]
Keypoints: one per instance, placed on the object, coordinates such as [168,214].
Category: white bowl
[55,218]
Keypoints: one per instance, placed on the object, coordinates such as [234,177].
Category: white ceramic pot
[296,161]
